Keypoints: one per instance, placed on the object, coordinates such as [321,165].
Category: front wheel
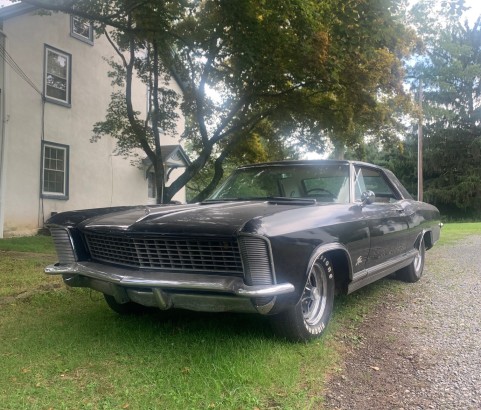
[309,317]
[413,272]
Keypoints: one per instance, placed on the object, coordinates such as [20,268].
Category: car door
[385,217]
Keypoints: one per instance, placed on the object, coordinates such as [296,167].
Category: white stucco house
[53,88]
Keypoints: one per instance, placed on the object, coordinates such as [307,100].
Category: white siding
[97,178]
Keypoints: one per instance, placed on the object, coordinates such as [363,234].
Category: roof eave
[15,10]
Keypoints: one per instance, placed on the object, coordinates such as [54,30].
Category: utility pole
[420,142]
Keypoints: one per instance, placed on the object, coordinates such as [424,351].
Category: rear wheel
[309,317]
[129,308]
[413,272]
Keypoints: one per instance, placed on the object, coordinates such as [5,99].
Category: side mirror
[367,197]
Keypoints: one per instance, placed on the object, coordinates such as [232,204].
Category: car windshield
[324,183]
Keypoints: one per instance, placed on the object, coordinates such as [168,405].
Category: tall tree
[449,67]
[451,76]
[312,69]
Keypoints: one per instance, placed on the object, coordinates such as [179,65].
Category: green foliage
[449,69]
[262,145]
[313,70]
[117,125]
[450,72]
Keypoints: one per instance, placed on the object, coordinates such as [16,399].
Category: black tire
[413,272]
[309,317]
[124,309]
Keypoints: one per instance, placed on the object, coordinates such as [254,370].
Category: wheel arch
[340,260]
[427,235]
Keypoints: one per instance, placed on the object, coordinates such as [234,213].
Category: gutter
[15,10]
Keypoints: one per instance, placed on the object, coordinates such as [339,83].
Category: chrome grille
[172,253]
[63,245]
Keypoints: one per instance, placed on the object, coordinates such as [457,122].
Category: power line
[16,68]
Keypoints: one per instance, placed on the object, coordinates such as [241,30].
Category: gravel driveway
[421,348]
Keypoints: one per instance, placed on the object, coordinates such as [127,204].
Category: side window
[57,76]
[81,29]
[55,163]
[368,179]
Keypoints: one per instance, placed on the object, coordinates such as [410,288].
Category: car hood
[224,218]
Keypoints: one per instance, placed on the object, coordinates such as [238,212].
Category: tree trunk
[218,174]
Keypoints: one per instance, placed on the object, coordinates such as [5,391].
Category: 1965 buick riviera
[279,239]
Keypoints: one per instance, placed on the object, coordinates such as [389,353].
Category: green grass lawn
[35,244]
[452,232]
[64,349]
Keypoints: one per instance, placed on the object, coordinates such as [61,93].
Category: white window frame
[80,36]
[68,79]
[64,171]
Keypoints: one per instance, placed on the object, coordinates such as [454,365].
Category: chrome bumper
[167,289]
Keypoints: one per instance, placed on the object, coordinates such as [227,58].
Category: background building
[54,87]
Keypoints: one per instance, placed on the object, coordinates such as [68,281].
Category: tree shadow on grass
[177,321]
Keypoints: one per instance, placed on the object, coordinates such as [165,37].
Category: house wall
[97,178]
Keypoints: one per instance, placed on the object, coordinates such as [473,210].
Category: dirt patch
[46,288]
[43,257]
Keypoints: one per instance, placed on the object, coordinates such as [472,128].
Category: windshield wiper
[210,200]
[289,200]
[269,199]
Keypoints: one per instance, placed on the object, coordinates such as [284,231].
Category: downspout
[3,166]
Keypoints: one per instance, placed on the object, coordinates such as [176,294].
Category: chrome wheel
[308,318]
[314,297]
[413,272]
[418,261]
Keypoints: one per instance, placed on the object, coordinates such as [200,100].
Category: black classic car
[279,239]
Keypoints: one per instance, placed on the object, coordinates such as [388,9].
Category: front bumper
[170,289]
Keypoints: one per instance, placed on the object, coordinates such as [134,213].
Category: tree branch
[117,50]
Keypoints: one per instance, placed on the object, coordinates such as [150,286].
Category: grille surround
[257,258]
[213,255]
[63,245]
[255,253]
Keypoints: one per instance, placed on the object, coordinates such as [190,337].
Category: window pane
[57,64]
[57,75]
[56,93]
[81,27]
[54,172]
[56,82]
[53,182]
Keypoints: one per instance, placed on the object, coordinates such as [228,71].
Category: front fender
[293,264]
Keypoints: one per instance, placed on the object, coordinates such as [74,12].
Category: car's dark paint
[363,241]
